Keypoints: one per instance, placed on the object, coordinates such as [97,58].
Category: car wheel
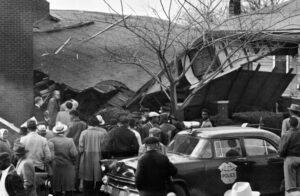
[178,190]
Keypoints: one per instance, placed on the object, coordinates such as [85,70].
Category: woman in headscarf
[4,143]
[65,154]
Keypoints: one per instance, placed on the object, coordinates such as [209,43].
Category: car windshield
[192,146]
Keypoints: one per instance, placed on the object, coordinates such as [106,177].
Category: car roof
[232,131]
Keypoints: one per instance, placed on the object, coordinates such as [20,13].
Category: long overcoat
[92,142]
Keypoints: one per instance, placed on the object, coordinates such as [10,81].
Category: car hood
[174,158]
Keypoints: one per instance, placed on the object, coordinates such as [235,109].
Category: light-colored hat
[42,129]
[59,128]
[294,107]
[100,119]
[241,189]
[153,114]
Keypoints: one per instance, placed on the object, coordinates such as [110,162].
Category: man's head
[38,101]
[93,121]
[19,150]
[151,143]
[31,125]
[204,114]
[164,117]
[293,122]
[4,160]
[232,143]
[42,130]
[113,121]
[23,131]
[123,120]
[294,109]
[153,117]
[3,134]
[155,132]
[74,114]
[132,123]
[69,105]
[56,94]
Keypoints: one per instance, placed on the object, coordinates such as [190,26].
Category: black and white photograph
[149,98]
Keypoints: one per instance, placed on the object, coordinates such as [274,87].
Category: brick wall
[16,60]
[40,9]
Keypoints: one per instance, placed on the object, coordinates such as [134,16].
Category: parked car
[210,160]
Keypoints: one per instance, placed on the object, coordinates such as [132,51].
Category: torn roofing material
[81,66]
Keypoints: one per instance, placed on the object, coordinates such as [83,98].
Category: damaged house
[245,77]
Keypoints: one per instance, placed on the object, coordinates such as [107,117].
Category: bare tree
[172,40]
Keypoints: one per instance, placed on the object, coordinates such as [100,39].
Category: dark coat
[75,128]
[38,114]
[122,143]
[153,173]
[14,183]
[53,109]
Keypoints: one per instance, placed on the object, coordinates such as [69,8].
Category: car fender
[182,183]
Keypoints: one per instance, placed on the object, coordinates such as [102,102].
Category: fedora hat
[153,114]
[19,149]
[241,189]
[294,107]
[59,128]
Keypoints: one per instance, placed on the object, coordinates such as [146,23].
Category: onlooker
[122,141]
[113,124]
[101,120]
[154,171]
[4,143]
[44,132]
[290,149]
[64,116]
[76,126]
[25,169]
[154,132]
[205,121]
[132,127]
[166,129]
[92,143]
[11,183]
[37,146]
[294,109]
[75,129]
[63,162]
[37,111]
[53,108]
[153,121]
[68,98]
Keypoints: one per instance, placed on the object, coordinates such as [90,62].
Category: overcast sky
[136,7]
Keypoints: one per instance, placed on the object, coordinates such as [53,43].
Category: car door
[226,168]
[266,167]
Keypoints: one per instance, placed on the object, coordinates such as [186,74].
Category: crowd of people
[58,143]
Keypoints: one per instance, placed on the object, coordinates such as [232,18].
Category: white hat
[59,128]
[153,114]
[100,119]
[241,189]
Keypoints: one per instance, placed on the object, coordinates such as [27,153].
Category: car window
[258,147]
[227,148]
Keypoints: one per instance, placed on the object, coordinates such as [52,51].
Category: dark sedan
[210,160]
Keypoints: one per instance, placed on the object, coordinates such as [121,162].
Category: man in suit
[154,171]
[53,108]
[10,183]
[25,169]
[153,121]
[37,111]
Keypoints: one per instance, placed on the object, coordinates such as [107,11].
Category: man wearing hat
[153,121]
[154,132]
[37,146]
[25,169]
[294,109]
[154,171]
[10,183]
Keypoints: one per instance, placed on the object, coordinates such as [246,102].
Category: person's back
[75,127]
[63,147]
[154,170]
[123,142]
[37,146]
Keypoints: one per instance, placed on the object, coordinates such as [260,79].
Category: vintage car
[209,161]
